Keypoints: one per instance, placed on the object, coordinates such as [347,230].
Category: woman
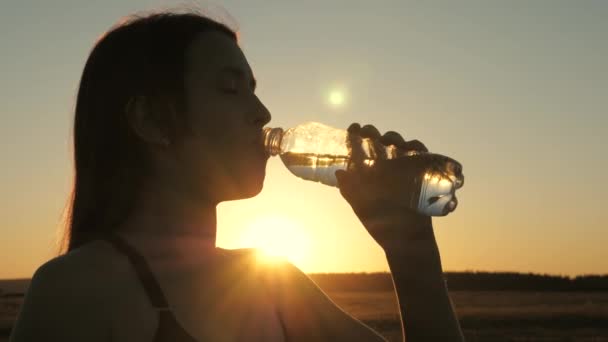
[167,125]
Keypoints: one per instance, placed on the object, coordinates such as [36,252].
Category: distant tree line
[457,281]
[467,281]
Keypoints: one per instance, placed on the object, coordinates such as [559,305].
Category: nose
[261,116]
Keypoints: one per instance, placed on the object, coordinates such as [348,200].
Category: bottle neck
[272,140]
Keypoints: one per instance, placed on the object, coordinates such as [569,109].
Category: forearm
[425,306]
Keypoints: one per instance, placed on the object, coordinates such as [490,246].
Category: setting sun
[277,236]
[336,98]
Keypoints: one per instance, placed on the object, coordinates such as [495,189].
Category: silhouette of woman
[167,125]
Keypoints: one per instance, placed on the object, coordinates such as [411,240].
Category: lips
[259,147]
[258,138]
[258,151]
[262,153]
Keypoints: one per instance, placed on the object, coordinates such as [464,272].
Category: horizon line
[386,272]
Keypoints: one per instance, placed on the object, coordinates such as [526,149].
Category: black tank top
[168,328]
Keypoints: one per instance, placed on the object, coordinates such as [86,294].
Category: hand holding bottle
[377,193]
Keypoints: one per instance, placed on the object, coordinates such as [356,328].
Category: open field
[484,315]
[9,307]
[498,316]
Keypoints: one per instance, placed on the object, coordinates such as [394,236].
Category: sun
[337,98]
[277,237]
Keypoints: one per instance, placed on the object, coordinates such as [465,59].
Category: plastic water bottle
[314,151]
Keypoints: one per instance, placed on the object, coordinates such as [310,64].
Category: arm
[426,310]
[376,195]
[58,309]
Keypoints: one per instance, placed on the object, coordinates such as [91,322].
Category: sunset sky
[517,91]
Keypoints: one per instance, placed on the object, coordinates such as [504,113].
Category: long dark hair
[141,56]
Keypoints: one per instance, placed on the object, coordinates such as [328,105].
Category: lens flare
[277,237]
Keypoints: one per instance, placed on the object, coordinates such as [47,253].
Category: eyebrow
[240,73]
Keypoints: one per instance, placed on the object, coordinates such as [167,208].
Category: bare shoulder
[91,271]
[310,314]
[69,297]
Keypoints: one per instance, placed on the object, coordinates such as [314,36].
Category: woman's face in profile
[223,158]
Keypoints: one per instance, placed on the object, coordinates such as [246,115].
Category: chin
[251,192]
[246,187]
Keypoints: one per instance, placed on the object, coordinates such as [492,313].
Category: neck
[168,224]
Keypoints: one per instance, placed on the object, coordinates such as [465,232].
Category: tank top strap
[145,275]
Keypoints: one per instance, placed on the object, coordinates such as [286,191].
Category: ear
[145,121]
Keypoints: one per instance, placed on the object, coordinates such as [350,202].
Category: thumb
[343,179]
[345,183]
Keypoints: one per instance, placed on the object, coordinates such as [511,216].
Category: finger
[369,131]
[342,178]
[377,150]
[345,181]
[393,138]
[357,154]
[394,143]
[348,183]
[415,145]
[453,204]
[354,128]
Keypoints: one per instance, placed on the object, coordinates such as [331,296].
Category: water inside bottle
[436,195]
[315,167]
